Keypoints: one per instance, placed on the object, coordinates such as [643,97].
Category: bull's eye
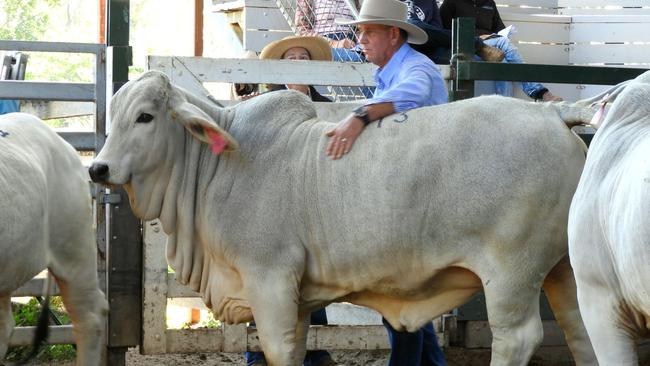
[144,118]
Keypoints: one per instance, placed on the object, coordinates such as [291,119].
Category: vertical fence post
[124,278]
[124,244]
[462,49]
[154,308]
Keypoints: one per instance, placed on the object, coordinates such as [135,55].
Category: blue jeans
[345,54]
[8,106]
[532,89]
[419,348]
[312,358]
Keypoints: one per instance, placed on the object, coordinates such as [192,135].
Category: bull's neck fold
[194,166]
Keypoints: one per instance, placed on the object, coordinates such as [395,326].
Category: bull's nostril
[98,172]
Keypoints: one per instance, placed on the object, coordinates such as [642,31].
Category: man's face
[376,42]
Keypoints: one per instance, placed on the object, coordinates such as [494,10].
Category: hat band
[363,17]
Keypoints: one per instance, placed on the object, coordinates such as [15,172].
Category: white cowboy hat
[319,49]
[387,12]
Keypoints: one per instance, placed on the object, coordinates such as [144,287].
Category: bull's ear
[201,125]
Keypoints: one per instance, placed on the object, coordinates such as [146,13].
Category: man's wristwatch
[362,114]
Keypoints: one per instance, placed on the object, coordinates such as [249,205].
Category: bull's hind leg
[560,289]
[6,324]
[513,313]
[87,308]
[607,325]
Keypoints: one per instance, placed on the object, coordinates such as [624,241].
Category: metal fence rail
[56,91]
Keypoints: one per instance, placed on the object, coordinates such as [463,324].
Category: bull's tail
[586,111]
[574,114]
[577,114]
[42,326]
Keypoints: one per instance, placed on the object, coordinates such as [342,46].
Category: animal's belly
[23,248]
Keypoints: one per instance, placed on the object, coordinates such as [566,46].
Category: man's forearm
[380,110]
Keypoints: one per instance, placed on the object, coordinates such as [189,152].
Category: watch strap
[362,114]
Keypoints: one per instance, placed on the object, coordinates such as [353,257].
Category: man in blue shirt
[406,79]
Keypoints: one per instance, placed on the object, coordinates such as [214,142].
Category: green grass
[27,315]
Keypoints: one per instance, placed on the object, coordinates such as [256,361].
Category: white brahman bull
[430,207]
[609,229]
[46,222]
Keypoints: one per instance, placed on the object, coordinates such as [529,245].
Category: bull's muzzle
[98,172]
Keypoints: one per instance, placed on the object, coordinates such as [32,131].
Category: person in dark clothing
[487,18]
[488,23]
[425,14]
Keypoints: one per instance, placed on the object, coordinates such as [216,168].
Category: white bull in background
[46,222]
[609,228]
[430,207]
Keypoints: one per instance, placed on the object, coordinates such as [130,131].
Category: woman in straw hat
[406,79]
[299,48]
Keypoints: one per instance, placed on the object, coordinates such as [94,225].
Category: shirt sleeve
[421,85]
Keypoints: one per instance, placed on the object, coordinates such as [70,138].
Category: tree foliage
[25,20]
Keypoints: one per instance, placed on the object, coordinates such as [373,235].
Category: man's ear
[202,127]
[394,35]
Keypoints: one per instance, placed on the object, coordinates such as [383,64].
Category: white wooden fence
[573,7]
[579,32]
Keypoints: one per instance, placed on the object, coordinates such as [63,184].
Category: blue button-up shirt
[409,80]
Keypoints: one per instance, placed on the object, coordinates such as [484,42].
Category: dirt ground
[454,356]
[546,356]
[348,358]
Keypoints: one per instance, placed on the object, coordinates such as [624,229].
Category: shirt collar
[386,73]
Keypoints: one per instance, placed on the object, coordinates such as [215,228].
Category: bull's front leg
[301,335]
[274,303]
[6,324]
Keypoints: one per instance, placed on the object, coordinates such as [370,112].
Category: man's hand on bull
[342,137]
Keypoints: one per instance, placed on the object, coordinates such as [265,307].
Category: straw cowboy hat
[318,48]
[387,12]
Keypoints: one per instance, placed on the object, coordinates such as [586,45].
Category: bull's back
[448,184]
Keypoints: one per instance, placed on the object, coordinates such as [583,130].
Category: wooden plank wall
[595,32]
[604,7]
[261,21]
